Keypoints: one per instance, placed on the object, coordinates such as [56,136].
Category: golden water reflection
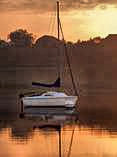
[87,142]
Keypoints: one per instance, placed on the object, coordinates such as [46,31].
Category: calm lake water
[89,132]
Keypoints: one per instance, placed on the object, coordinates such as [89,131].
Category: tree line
[18,38]
[22,38]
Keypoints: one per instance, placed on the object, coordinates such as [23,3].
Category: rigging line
[50,23]
[58,62]
[65,65]
[61,29]
[68,62]
[70,146]
[53,23]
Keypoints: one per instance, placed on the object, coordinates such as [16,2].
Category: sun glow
[84,24]
[77,24]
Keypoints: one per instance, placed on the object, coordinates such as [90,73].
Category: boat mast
[60,154]
[58,20]
[58,31]
[66,53]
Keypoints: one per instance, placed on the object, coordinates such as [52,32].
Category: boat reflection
[42,118]
[47,122]
[51,111]
[53,134]
[52,119]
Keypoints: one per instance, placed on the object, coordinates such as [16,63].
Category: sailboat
[50,98]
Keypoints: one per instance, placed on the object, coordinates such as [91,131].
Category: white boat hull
[68,101]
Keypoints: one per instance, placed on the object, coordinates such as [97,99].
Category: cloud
[26,5]
[49,5]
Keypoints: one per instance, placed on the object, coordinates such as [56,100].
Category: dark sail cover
[55,84]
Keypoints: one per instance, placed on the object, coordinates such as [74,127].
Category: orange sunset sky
[81,19]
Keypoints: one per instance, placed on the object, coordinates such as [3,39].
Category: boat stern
[71,101]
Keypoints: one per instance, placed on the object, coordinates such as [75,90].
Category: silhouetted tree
[21,38]
[69,43]
[47,42]
[97,40]
[3,44]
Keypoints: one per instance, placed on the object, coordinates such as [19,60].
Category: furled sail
[55,84]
